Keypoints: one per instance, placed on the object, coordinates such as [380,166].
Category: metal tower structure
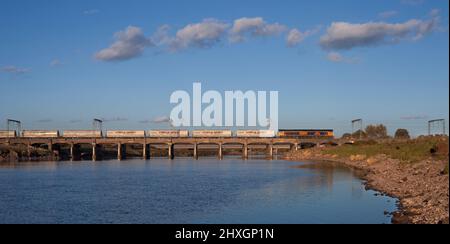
[357,123]
[11,123]
[435,122]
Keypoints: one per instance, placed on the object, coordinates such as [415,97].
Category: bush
[376,131]
[402,134]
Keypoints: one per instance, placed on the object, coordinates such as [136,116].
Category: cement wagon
[167,133]
[40,133]
[82,134]
[125,133]
[212,133]
[255,133]
[7,133]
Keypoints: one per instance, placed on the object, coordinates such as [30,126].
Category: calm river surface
[186,191]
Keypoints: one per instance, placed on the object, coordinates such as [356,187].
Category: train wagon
[125,133]
[82,134]
[8,133]
[319,133]
[167,133]
[40,133]
[212,133]
[255,133]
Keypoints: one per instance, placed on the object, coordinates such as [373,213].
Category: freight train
[328,133]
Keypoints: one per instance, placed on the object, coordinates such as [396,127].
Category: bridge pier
[171,151]
[245,151]
[220,151]
[195,151]
[295,146]
[50,148]
[145,151]
[270,146]
[74,151]
[119,151]
[94,152]
[29,151]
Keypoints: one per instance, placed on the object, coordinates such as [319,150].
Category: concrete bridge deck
[73,143]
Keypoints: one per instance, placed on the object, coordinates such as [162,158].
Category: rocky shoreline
[422,188]
[14,154]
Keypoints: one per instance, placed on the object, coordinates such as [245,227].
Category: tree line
[377,132]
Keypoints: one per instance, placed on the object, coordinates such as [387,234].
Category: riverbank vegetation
[408,151]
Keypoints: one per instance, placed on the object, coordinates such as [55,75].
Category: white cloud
[55,63]
[414,117]
[161,120]
[387,14]
[338,58]
[254,27]
[132,42]
[345,36]
[334,57]
[435,12]
[161,36]
[114,119]
[209,32]
[199,35]
[91,11]
[295,36]
[11,69]
[157,120]
[129,43]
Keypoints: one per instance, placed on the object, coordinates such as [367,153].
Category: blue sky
[61,63]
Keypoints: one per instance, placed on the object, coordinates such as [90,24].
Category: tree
[376,131]
[402,134]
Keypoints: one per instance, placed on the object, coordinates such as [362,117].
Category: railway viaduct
[169,143]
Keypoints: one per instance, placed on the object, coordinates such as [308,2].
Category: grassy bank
[410,151]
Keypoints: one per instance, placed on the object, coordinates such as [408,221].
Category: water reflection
[186,191]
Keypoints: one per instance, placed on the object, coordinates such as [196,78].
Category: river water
[187,191]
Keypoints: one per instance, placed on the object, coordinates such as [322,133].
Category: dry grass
[407,151]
